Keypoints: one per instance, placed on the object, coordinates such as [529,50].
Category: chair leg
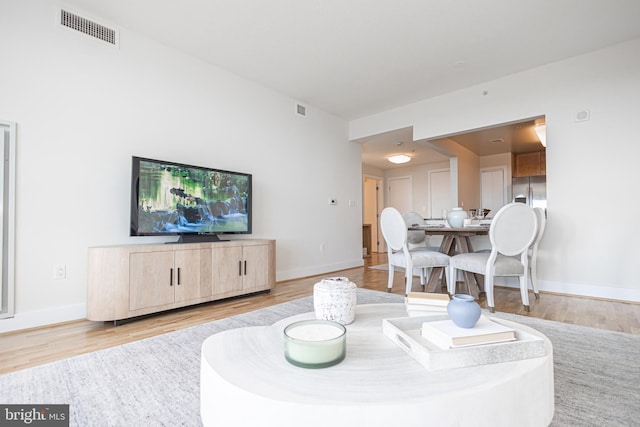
[451,280]
[390,283]
[488,288]
[423,278]
[534,282]
[445,277]
[409,280]
[524,291]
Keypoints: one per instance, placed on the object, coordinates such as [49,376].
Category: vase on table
[456,217]
[463,310]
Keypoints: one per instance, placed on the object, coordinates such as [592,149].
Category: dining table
[454,240]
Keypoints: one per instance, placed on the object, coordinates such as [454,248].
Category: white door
[400,193]
[439,192]
[493,189]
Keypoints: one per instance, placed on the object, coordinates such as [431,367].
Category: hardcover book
[427,298]
[445,334]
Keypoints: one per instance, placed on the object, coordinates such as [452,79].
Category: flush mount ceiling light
[541,131]
[399,158]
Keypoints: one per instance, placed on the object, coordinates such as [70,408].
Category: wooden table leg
[434,279]
[473,286]
[446,247]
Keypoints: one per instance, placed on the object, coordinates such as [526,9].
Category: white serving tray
[405,332]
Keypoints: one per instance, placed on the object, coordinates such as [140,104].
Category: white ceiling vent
[88,27]
[301,110]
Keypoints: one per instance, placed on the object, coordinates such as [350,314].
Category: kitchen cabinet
[530,164]
[134,280]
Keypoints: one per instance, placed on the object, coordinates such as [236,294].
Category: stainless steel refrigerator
[530,190]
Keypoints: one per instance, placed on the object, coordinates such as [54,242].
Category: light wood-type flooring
[19,350]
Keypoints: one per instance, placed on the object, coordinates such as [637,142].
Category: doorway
[372,207]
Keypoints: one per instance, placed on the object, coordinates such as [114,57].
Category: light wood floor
[33,347]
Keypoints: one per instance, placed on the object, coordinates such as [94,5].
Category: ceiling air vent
[88,27]
[301,110]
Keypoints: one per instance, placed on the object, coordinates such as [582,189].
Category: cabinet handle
[239,268]
[171,277]
[178,276]
[245,267]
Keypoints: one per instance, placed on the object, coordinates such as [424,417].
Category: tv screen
[195,202]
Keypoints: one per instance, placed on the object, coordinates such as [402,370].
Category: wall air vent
[88,27]
[301,110]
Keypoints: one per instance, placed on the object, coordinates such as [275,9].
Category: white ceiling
[353,58]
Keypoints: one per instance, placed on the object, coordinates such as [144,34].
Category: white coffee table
[246,381]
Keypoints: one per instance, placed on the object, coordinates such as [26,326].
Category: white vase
[456,217]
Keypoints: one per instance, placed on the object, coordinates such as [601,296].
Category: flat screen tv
[193,202]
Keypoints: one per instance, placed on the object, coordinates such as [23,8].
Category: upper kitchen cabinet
[530,164]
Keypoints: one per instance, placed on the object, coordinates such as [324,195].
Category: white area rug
[155,382]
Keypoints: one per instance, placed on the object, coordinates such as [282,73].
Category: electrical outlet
[59,272]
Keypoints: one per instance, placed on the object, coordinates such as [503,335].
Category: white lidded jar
[334,299]
[456,217]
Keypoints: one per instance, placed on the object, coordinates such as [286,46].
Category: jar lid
[335,283]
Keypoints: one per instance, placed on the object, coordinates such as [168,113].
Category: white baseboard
[33,319]
[606,292]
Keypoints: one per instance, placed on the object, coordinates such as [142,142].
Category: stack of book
[418,303]
[445,334]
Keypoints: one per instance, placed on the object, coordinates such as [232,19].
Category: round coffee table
[245,380]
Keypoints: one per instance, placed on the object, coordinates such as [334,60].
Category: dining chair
[417,239]
[511,233]
[394,230]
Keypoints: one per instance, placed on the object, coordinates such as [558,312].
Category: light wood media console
[134,280]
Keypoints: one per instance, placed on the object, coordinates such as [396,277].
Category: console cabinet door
[192,274]
[256,267]
[227,270]
[151,274]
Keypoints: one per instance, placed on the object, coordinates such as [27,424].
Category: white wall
[591,166]
[82,110]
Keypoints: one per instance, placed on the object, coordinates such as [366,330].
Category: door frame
[379,203]
[7,216]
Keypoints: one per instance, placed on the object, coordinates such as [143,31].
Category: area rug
[155,381]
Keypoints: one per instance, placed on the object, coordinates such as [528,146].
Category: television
[194,202]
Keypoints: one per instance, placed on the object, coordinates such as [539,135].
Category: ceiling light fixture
[399,158]
[541,131]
